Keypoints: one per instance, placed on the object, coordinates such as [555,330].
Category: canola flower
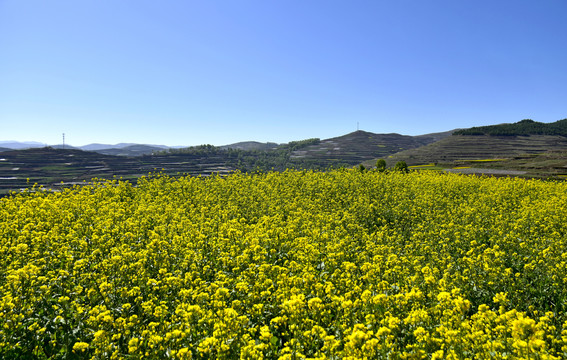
[295,265]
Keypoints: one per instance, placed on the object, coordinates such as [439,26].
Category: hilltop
[130,150]
[250,145]
[359,146]
[526,127]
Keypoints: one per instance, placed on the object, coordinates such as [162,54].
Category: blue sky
[219,72]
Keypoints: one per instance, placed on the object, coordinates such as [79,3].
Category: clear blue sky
[219,72]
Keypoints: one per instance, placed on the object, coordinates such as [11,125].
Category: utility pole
[63,140]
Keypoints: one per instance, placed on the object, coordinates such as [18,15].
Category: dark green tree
[381,165]
[401,166]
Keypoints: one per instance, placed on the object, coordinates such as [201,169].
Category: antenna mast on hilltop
[63,140]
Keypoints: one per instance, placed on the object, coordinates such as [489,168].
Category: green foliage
[401,166]
[381,165]
[296,145]
[278,158]
[525,127]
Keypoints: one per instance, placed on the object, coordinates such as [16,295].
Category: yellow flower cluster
[294,265]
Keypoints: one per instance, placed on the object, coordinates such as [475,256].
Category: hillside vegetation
[526,148]
[516,147]
[456,148]
[50,166]
[525,127]
[298,264]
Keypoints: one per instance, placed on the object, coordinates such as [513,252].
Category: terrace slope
[359,146]
[460,147]
[49,166]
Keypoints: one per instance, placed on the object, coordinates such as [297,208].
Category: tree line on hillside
[525,127]
[401,166]
[279,158]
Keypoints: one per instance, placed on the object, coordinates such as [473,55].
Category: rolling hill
[458,147]
[532,148]
[130,150]
[18,145]
[250,145]
[51,166]
[526,127]
[360,146]
[97,146]
[528,153]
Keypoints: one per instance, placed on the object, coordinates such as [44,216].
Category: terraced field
[52,167]
[533,156]
[360,146]
[455,148]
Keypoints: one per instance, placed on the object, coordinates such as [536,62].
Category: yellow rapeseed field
[295,265]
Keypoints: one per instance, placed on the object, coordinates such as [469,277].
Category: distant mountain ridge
[524,127]
[362,146]
[16,145]
[97,146]
[133,149]
[121,149]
